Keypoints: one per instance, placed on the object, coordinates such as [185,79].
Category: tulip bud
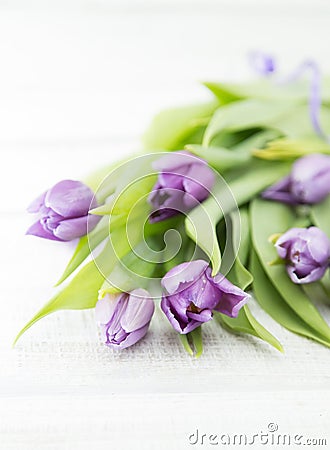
[63,211]
[308,183]
[191,294]
[183,182]
[124,318]
[307,253]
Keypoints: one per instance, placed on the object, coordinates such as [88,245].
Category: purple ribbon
[265,65]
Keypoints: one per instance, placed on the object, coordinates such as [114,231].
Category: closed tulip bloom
[183,182]
[308,183]
[124,318]
[63,212]
[306,252]
[191,293]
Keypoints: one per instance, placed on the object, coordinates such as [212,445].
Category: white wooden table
[79,82]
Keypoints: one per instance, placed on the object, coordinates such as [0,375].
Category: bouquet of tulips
[227,199]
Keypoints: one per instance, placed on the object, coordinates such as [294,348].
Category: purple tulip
[308,183]
[124,318]
[307,253]
[191,294]
[63,211]
[183,182]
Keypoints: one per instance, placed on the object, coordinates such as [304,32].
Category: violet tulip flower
[124,318]
[306,252]
[63,211]
[192,293]
[183,182]
[308,183]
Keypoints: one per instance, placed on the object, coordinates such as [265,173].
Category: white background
[79,82]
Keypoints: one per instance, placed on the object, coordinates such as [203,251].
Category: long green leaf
[298,124]
[201,228]
[186,344]
[173,126]
[267,90]
[268,218]
[84,247]
[220,158]
[320,214]
[240,276]
[80,293]
[134,270]
[246,114]
[201,222]
[197,340]
[290,149]
[245,243]
[246,323]
[274,304]
[193,342]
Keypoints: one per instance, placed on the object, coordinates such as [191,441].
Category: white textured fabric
[77,85]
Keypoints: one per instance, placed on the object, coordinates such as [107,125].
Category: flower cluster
[191,293]
[210,175]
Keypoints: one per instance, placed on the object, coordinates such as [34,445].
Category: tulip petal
[183,275]
[313,275]
[105,308]
[38,230]
[198,183]
[73,228]
[37,204]
[310,178]
[139,310]
[182,327]
[173,161]
[232,297]
[281,192]
[320,253]
[131,339]
[284,242]
[70,199]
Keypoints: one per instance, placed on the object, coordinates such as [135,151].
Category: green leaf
[186,344]
[257,140]
[283,149]
[246,114]
[316,292]
[245,244]
[245,183]
[298,124]
[80,293]
[220,158]
[201,221]
[320,215]
[173,126]
[84,247]
[240,276]
[197,340]
[267,90]
[268,218]
[246,323]
[192,342]
[134,270]
[274,304]
[201,228]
